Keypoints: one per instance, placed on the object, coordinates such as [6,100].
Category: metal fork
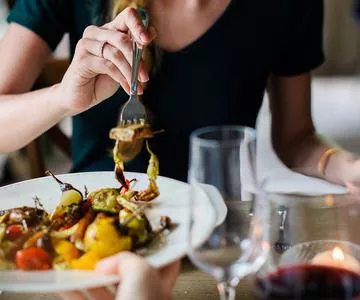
[282,244]
[133,111]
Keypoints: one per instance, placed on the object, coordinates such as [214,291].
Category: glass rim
[197,140]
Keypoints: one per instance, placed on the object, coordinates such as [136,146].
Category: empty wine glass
[223,194]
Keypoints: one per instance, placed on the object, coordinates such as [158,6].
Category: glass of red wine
[314,248]
[220,174]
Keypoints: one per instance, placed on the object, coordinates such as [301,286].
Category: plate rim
[75,174]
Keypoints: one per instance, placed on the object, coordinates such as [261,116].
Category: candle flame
[329,200]
[338,254]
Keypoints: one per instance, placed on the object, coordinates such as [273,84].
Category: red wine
[309,282]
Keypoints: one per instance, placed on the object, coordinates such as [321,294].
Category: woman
[217,58]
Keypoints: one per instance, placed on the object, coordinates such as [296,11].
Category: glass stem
[226,291]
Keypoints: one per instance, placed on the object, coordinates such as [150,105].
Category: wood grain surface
[192,284]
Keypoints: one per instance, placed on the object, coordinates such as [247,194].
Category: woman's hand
[102,62]
[349,172]
[138,280]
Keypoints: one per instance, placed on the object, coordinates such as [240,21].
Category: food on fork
[132,132]
[127,139]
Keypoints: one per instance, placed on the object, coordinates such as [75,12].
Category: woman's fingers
[171,271]
[168,276]
[120,41]
[121,263]
[128,21]
[87,54]
[86,46]
[103,293]
[118,59]
[96,66]
[108,265]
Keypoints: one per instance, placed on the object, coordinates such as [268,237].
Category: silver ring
[102,49]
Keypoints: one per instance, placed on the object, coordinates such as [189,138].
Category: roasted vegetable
[45,242]
[66,251]
[59,264]
[86,262]
[130,133]
[105,200]
[119,165]
[82,225]
[103,238]
[65,233]
[153,167]
[13,232]
[137,228]
[127,204]
[70,196]
[2,231]
[31,259]
[127,151]
[31,242]
[152,190]
[123,190]
[4,216]
[6,265]
[30,215]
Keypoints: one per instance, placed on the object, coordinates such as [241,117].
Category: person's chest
[221,76]
[179,22]
[178,26]
[221,73]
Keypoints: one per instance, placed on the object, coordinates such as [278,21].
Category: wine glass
[223,194]
[314,239]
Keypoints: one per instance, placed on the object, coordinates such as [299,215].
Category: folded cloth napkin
[273,176]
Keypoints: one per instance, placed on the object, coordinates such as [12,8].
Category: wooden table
[192,284]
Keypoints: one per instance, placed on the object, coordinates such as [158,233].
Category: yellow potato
[103,238]
[86,262]
[66,250]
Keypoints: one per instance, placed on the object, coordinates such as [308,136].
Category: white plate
[173,202]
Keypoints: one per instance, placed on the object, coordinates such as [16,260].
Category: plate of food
[53,231]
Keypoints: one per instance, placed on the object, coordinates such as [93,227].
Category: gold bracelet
[324,158]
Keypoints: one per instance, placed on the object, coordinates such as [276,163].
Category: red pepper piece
[13,232]
[34,258]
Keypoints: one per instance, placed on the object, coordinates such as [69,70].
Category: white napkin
[273,175]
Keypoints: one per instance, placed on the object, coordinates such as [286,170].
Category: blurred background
[336,94]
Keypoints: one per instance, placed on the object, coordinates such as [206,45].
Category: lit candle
[337,258]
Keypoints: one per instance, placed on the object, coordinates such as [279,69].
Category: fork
[282,244]
[133,111]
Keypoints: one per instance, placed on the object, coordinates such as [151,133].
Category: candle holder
[322,260]
[326,253]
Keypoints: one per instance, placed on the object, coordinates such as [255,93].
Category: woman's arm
[293,134]
[24,116]
[101,64]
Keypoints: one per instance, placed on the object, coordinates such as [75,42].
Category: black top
[218,79]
